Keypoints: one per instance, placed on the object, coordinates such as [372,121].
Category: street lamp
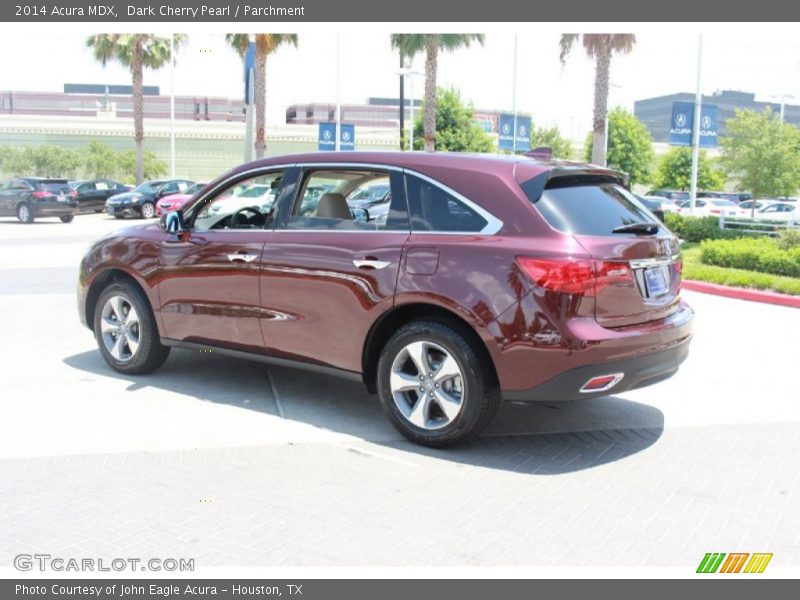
[605,134]
[411,73]
[783,98]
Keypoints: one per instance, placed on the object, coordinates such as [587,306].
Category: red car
[176,201]
[491,278]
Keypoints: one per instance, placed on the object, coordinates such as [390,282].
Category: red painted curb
[741,293]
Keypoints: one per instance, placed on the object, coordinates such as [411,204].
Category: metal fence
[746,225]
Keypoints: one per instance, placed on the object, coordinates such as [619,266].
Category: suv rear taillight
[40,194]
[571,276]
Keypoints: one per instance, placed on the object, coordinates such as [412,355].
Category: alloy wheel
[427,385]
[120,328]
[148,210]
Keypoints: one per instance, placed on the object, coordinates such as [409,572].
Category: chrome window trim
[493,224]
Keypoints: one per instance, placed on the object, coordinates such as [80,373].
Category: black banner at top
[443,11]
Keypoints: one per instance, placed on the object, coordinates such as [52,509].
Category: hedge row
[697,229]
[754,254]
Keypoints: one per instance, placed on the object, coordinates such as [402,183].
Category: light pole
[783,98]
[172,105]
[411,73]
[698,107]
[514,99]
[605,135]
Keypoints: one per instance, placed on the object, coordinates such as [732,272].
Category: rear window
[595,209]
[54,186]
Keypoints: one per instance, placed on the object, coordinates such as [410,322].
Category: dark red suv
[487,278]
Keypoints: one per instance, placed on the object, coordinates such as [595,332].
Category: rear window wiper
[642,227]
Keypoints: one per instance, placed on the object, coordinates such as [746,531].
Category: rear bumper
[53,209]
[639,371]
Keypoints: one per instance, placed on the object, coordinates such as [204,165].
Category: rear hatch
[636,259]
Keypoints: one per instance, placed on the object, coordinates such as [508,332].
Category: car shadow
[537,438]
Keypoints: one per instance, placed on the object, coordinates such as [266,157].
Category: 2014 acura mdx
[492,278]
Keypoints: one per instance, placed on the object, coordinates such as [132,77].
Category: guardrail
[746,225]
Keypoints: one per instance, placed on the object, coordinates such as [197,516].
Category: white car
[712,207]
[779,211]
[260,195]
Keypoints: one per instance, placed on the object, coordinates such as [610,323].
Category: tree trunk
[431,60]
[138,107]
[601,84]
[260,94]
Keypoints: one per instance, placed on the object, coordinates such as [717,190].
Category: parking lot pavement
[234,463]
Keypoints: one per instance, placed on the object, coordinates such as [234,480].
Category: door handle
[242,257]
[370,263]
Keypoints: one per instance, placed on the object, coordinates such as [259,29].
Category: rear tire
[454,400]
[126,332]
[67,218]
[148,210]
[24,213]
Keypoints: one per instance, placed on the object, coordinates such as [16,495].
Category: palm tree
[266,44]
[136,51]
[600,47]
[411,44]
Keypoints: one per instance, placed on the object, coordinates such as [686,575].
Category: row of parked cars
[728,204]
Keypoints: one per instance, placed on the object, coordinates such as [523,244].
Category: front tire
[24,213]
[126,331]
[67,218]
[148,210]
[436,385]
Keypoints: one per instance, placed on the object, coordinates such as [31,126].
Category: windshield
[148,187]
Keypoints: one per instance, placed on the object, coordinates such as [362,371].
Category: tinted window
[433,209]
[56,187]
[332,199]
[247,204]
[591,209]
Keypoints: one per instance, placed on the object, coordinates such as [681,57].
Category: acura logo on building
[706,122]
[326,134]
[522,131]
[346,136]
[680,120]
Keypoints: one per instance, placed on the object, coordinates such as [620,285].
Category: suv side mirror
[172,222]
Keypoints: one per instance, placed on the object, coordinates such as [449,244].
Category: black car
[30,198]
[92,194]
[732,196]
[669,194]
[141,202]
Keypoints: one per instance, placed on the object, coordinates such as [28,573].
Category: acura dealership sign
[682,124]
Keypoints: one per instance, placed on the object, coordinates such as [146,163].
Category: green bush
[697,229]
[788,239]
[753,254]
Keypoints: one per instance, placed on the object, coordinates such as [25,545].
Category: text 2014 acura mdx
[490,278]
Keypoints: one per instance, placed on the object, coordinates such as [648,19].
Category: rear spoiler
[565,175]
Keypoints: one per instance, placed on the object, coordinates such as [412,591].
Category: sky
[664,61]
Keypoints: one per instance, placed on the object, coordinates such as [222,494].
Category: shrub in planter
[752,254]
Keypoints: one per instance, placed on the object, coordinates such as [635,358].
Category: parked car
[92,194]
[492,278]
[755,205]
[30,198]
[141,202]
[779,211]
[654,204]
[712,207]
[373,199]
[176,201]
[669,194]
[732,196]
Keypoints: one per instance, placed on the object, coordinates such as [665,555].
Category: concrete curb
[741,293]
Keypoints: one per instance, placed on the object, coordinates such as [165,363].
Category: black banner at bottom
[386,589]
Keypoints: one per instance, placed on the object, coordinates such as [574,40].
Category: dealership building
[656,113]
[209,131]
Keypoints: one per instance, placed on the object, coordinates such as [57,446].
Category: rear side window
[595,209]
[433,209]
